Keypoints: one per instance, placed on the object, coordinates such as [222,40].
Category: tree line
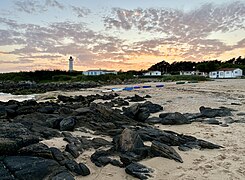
[204,66]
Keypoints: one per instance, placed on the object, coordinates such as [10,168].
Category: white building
[71,64]
[98,72]
[153,73]
[197,73]
[226,73]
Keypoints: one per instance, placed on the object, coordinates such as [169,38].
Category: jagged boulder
[137,112]
[129,140]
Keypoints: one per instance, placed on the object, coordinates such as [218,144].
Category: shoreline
[225,163]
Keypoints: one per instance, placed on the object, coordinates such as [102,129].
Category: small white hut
[152,73]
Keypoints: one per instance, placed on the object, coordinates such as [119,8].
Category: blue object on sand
[136,87]
[160,85]
[128,88]
[146,86]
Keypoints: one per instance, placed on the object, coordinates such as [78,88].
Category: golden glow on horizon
[138,62]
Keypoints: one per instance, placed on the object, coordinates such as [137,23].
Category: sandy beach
[226,163]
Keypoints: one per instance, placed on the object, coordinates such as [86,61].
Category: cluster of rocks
[23,125]
[27,87]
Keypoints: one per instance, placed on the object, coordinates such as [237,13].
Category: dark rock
[11,113]
[207,145]
[67,124]
[64,175]
[224,125]
[71,148]
[54,122]
[153,108]
[120,102]
[147,96]
[153,120]
[47,110]
[57,155]
[102,161]
[138,170]
[129,157]
[71,139]
[101,158]
[4,173]
[163,150]
[39,149]
[211,113]
[29,168]
[184,148]
[117,163]
[241,114]
[129,140]
[137,98]
[2,111]
[81,111]
[65,111]
[237,104]
[79,169]
[137,112]
[211,121]
[192,116]
[85,170]
[173,118]
[25,110]
[14,136]
[189,145]
[98,142]
[64,98]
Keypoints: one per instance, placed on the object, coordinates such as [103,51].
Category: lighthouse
[71,64]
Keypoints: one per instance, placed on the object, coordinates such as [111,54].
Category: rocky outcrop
[27,87]
[24,124]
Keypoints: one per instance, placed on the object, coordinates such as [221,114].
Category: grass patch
[189,78]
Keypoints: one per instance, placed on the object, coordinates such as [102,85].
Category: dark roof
[227,69]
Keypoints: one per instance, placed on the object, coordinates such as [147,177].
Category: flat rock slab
[163,150]
[29,168]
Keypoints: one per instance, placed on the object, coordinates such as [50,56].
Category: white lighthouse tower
[71,64]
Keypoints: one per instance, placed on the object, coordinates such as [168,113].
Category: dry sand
[227,163]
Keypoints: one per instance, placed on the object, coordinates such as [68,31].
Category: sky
[117,35]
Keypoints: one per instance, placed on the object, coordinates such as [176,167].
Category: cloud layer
[180,35]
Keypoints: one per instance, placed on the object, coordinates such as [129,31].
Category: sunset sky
[113,34]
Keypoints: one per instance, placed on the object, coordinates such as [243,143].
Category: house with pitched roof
[226,73]
[97,72]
